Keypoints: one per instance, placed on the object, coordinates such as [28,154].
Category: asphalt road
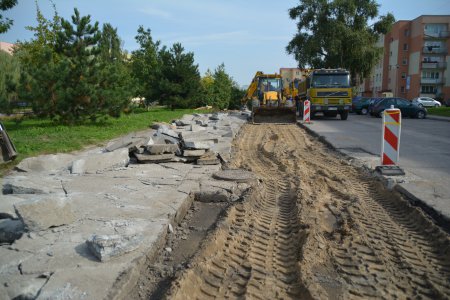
[424,149]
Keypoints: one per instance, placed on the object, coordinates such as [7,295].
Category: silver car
[426,102]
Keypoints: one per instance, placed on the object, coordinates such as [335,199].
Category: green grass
[33,137]
[439,111]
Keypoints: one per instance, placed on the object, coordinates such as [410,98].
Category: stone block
[105,247]
[10,230]
[193,153]
[44,212]
[98,162]
[148,158]
[162,148]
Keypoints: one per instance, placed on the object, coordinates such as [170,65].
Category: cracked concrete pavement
[123,208]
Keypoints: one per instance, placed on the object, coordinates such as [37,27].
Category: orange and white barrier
[390,144]
[306,111]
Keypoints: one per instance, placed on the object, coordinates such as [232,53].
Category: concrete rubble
[79,226]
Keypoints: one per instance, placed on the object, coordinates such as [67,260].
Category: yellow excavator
[269,105]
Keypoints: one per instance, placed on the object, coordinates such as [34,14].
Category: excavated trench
[313,226]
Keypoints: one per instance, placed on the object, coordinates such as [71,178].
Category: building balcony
[434,65]
[431,80]
[437,35]
[431,50]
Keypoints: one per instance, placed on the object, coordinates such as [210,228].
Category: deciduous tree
[337,34]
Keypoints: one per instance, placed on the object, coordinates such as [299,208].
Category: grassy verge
[439,111]
[33,137]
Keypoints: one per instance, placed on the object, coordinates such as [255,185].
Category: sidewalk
[87,235]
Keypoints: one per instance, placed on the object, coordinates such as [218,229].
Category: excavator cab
[268,103]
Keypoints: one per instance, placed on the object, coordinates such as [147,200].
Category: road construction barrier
[390,144]
[306,111]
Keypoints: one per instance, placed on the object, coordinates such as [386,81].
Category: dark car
[407,108]
[361,107]
[372,103]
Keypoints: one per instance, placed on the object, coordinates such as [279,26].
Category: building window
[405,61]
[405,47]
[406,33]
[428,89]
[403,75]
[390,67]
[390,53]
[402,89]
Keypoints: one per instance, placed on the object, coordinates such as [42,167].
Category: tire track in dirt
[316,227]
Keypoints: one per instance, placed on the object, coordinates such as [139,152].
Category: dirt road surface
[315,227]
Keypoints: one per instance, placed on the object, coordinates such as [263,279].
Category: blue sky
[247,36]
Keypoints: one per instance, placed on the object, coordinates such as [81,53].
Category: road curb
[440,219]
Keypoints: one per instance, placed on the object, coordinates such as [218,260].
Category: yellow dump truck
[329,92]
[268,103]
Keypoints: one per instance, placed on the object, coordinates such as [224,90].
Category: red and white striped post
[390,144]
[306,111]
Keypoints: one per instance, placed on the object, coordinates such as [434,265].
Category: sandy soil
[315,227]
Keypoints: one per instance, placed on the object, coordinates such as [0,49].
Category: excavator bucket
[280,115]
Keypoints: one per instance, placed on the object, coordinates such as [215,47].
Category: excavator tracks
[315,227]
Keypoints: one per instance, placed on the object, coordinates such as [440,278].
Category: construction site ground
[299,220]
[313,226]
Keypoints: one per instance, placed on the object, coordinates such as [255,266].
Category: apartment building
[415,61]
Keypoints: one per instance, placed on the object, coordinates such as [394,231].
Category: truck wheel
[364,111]
[344,115]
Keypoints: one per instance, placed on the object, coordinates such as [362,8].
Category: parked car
[426,102]
[361,107]
[408,108]
[372,103]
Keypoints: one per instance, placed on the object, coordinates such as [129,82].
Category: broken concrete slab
[147,158]
[7,202]
[197,128]
[32,183]
[100,162]
[192,144]
[10,230]
[156,193]
[216,116]
[106,247]
[51,163]
[23,287]
[129,141]
[193,153]
[163,130]
[44,212]
[162,148]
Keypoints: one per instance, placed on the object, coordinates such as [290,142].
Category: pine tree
[146,65]
[179,85]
